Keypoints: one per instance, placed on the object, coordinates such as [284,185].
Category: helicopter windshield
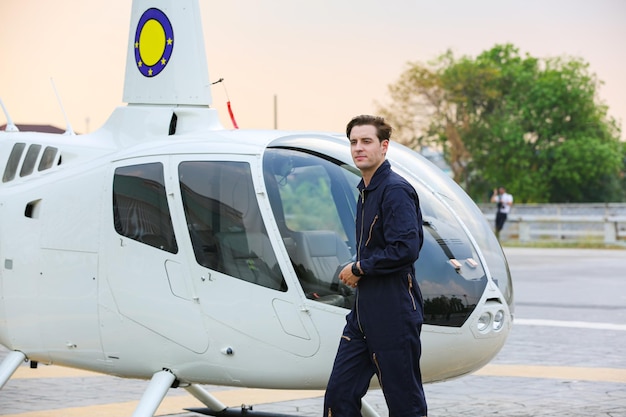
[313,198]
[469,213]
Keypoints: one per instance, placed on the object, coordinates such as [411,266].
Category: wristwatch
[356,271]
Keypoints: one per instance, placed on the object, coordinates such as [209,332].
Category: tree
[535,126]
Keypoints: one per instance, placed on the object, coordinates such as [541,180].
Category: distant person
[504,201]
[382,332]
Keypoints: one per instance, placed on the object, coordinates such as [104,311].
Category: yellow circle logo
[151,42]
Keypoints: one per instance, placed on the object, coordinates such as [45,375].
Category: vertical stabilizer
[166,61]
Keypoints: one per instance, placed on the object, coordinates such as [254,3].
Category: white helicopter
[164,247]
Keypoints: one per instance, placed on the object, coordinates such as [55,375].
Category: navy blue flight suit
[382,332]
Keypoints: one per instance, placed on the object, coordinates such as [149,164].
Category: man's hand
[347,277]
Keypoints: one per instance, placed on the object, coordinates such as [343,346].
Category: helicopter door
[241,286]
[146,271]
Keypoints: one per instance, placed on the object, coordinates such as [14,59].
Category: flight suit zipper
[411,291]
[358,258]
[358,249]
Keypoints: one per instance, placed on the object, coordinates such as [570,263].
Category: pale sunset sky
[325,60]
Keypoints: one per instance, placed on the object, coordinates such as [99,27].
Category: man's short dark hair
[383,129]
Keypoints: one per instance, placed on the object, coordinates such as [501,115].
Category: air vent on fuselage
[173,123]
[32,209]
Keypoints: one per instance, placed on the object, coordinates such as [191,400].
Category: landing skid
[9,365]
[157,388]
[244,411]
[247,411]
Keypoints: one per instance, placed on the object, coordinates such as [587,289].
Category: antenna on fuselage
[230,110]
[68,126]
[10,125]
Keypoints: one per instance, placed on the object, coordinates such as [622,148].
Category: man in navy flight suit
[382,332]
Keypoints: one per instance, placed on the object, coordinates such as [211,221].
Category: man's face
[367,151]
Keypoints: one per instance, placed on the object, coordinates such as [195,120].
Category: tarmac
[566,356]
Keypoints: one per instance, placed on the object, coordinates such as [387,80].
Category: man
[382,332]
[504,202]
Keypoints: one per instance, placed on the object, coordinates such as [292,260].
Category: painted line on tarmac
[581,373]
[176,404]
[573,324]
[45,371]
[555,372]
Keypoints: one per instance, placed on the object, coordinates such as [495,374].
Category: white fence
[563,222]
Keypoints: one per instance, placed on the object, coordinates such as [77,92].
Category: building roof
[36,128]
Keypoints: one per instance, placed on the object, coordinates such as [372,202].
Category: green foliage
[534,126]
[308,204]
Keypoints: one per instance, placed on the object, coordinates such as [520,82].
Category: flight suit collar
[377,178]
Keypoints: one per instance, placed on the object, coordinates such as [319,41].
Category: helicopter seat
[320,252]
[243,256]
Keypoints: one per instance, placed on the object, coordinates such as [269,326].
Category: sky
[325,61]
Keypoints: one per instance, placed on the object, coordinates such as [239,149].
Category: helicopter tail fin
[166,60]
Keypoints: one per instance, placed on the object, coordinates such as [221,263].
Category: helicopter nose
[492,316]
[491,320]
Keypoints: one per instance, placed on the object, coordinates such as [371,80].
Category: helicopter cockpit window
[450,274]
[140,209]
[313,200]
[225,224]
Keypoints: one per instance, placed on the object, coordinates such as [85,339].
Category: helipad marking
[555,372]
[177,404]
[573,324]
[43,371]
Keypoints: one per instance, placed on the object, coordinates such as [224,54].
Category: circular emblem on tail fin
[154,42]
